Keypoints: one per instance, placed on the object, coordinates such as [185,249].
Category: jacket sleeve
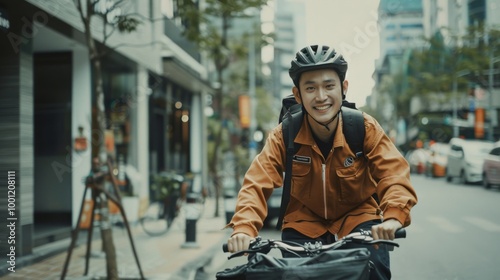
[391,172]
[264,174]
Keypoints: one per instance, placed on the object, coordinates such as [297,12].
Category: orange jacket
[332,194]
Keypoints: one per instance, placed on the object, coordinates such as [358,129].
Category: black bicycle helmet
[317,57]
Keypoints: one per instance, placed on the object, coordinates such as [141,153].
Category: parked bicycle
[166,197]
[314,260]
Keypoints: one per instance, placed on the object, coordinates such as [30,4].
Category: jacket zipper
[323,176]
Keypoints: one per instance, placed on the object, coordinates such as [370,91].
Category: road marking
[445,224]
[483,223]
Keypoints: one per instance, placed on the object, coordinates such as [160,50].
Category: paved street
[453,235]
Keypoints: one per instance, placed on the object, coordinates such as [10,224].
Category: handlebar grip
[400,233]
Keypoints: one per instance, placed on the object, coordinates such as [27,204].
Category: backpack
[291,115]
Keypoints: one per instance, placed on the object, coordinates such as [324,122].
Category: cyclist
[331,192]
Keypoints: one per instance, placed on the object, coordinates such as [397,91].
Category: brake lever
[240,253]
[382,241]
[255,246]
[364,239]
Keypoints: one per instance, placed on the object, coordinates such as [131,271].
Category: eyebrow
[310,82]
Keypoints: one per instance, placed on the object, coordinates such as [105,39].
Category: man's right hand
[238,242]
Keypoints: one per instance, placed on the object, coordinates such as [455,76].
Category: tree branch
[144,17]
[80,11]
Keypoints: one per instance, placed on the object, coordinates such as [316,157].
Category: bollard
[229,206]
[192,210]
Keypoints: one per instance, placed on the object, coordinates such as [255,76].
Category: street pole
[490,97]
[454,119]
[455,95]
[491,107]
[251,92]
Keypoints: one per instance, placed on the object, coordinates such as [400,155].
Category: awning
[176,71]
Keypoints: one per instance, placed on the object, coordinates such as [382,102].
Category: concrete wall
[81,116]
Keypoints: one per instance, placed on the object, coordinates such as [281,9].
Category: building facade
[154,86]
[404,27]
[289,24]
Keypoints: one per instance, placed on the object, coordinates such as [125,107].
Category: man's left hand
[386,230]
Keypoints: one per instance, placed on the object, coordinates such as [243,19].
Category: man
[331,193]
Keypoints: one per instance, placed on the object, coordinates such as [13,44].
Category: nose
[321,95]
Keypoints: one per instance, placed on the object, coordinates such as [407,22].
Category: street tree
[208,27]
[112,18]
[431,70]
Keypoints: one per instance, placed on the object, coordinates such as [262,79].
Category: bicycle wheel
[155,221]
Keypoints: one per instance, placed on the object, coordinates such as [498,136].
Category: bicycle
[321,261]
[166,196]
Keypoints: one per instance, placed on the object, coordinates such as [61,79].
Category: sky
[351,28]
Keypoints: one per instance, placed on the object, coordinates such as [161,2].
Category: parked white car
[491,167]
[465,159]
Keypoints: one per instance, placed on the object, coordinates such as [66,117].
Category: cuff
[403,216]
[246,229]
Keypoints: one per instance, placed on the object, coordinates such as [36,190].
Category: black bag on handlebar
[331,264]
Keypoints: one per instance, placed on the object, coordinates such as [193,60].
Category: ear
[345,85]
[296,94]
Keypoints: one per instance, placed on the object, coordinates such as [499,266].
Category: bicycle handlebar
[361,237]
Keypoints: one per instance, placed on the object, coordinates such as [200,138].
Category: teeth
[322,107]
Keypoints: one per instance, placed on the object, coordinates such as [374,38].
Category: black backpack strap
[291,126]
[286,106]
[354,132]
[354,129]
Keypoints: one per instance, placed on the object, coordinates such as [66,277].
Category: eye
[330,86]
[310,89]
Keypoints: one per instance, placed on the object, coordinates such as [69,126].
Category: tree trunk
[99,150]
[215,158]
[107,236]
[221,63]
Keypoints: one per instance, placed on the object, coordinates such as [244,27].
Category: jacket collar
[304,137]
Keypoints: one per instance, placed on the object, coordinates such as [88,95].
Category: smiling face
[320,92]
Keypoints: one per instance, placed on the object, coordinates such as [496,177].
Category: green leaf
[127,23]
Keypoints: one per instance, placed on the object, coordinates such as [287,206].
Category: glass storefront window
[169,135]
[178,133]
[119,101]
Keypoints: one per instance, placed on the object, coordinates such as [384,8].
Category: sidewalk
[162,257]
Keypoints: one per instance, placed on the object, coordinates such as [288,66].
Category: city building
[289,26]
[401,29]
[154,83]
[405,27]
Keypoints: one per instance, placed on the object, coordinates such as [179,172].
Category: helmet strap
[329,122]
[342,89]
[334,117]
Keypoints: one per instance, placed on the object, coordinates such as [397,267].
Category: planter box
[131,207]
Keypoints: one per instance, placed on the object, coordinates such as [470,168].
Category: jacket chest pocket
[355,185]
[301,170]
